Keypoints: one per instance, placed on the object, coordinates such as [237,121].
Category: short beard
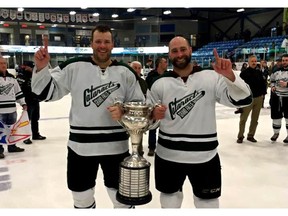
[101,60]
[181,65]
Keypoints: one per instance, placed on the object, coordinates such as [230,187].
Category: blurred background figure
[161,66]
[24,79]
[10,93]
[137,66]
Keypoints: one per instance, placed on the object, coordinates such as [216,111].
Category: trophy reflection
[135,170]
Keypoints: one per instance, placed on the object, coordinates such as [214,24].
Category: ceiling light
[95,14]
[72,13]
[144,18]
[131,10]
[240,10]
[167,12]
[20,9]
[114,15]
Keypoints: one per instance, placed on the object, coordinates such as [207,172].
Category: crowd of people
[186,142]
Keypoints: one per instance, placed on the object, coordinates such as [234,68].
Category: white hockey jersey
[187,134]
[10,93]
[92,130]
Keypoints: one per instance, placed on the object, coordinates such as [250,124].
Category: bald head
[178,40]
[137,66]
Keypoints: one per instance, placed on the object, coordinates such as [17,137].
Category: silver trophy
[135,170]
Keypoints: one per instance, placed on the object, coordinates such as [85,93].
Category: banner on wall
[41,17]
[13,14]
[34,16]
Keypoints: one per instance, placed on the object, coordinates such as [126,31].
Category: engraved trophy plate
[135,169]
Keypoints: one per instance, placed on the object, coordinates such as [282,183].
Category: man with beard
[279,99]
[95,138]
[187,138]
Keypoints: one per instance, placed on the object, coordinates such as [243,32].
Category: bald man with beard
[187,138]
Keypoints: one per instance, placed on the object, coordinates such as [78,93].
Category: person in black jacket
[254,78]
[161,67]
[24,79]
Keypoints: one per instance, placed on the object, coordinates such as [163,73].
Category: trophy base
[134,200]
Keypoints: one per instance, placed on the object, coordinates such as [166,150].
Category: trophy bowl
[135,169]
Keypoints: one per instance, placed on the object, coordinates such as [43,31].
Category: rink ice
[254,175]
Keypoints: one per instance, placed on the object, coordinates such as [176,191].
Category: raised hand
[42,57]
[223,66]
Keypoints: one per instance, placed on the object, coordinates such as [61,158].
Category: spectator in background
[265,73]
[147,67]
[24,78]
[161,67]
[277,66]
[10,93]
[196,66]
[244,66]
[253,77]
[137,66]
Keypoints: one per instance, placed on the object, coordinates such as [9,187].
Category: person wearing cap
[24,79]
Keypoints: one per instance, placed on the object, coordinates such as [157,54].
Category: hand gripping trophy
[135,170]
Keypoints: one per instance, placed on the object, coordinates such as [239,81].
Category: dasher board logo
[99,94]
[183,106]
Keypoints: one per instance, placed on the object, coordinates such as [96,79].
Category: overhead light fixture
[95,14]
[72,13]
[20,9]
[114,15]
[167,12]
[144,18]
[131,10]
[240,10]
